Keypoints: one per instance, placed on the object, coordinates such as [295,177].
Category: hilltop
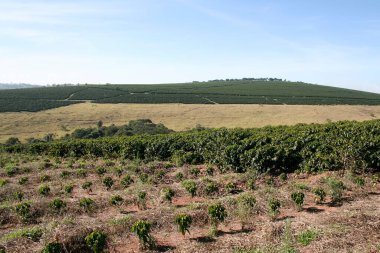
[230,91]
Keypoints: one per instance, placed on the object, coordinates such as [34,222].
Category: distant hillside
[11,86]
[244,91]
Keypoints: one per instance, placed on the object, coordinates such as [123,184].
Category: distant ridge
[12,86]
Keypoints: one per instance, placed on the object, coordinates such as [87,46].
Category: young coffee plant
[81,173]
[117,200]
[142,230]
[217,213]
[126,181]
[359,181]
[96,241]
[210,171]
[65,174]
[283,177]
[168,194]
[57,205]
[19,195]
[251,184]
[86,204]
[68,188]
[184,222]
[211,187]
[298,199]
[118,171]
[336,189]
[87,186]
[23,180]
[190,186]
[23,210]
[108,182]
[245,209]
[320,195]
[144,178]
[231,187]
[274,207]
[44,178]
[179,177]
[195,171]
[141,200]
[53,247]
[101,171]
[44,190]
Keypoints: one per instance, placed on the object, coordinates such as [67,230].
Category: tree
[12,141]
[183,221]
[217,213]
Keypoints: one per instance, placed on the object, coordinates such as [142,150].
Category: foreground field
[346,220]
[175,116]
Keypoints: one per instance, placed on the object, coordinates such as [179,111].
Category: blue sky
[332,42]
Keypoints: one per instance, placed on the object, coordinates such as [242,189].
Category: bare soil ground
[178,117]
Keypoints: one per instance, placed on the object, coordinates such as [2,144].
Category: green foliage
[65,174]
[118,171]
[184,222]
[11,170]
[141,199]
[217,213]
[179,177]
[96,241]
[359,181]
[24,211]
[108,182]
[44,190]
[190,186]
[19,195]
[298,199]
[287,244]
[53,247]
[142,230]
[23,180]
[320,195]
[211,187]
[306,237]
[86,204]
[251,183]
[126,181]
[245,209]
[44,178]
[195,171]
[231,187]
[168,194]
[33,234]
[87,185]
[283,177]
[101,171]
[68,188]
[336,189]
[57,205]
[274,207]
[116,200]
[3,182]
[81,173]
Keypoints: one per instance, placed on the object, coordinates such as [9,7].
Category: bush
[211,187]
[336,189]
[96,241]
[65,174]
[68,188]
[184,222]
[217,214]
[298,199]
[210,171]
[274,207]
[19,195]
[320,195]
[44,178]
[118,171]
[101,171]
[190,186]
[87,185]
[359,181]
[168,194]
[44,190]
[53,247]
[11,170]
[57,205]
[246,204]
[251,184]
[23,180]
[126,181]
[179,177]
[116,200]
[144,177]
[283,177]
[23,210]
[108,182]
[142,230]
[231,187]
[141,200]
[195,171]
[3,182]
[306,237]
[81,173]
[86,204]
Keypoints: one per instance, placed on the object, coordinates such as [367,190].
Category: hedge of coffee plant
[276,150]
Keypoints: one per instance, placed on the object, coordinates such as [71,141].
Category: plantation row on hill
[306,148]
[215,92]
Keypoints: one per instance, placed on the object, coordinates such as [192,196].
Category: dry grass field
[175,116]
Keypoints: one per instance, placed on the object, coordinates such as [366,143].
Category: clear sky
[332,42]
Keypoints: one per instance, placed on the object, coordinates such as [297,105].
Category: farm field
[178,117]
[212,92]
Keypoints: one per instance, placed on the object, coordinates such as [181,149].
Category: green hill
[212,92]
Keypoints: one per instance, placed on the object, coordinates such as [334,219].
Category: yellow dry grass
[175,116]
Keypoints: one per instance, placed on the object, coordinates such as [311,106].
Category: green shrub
[179,177]
[108,182]
[359,181]
[283,177]
[86,204]
[33,234]
[101,171]
[298,199]
[65,174]
[23,180]
[336,189]
[44,178]
[141,200]
[306,237]
[195,171]
[160,175]
[81,173]
[126,181]
[19,195]
[44,190]
[87,185]
[245,209]
[118,171]
[217,213]
[57,205]
[68,188]
[144,177]
[190,186]
[230,187]
[211,187]
[96,241]
[142,230]
[11,170]
[3,182]
[184,222]
[274,207]
[53,247]
[168,194]
[320,195]
[251,184]
[210,171]
[116,200]
[23,210]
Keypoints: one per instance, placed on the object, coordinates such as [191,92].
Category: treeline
[306,148]
[263,79]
